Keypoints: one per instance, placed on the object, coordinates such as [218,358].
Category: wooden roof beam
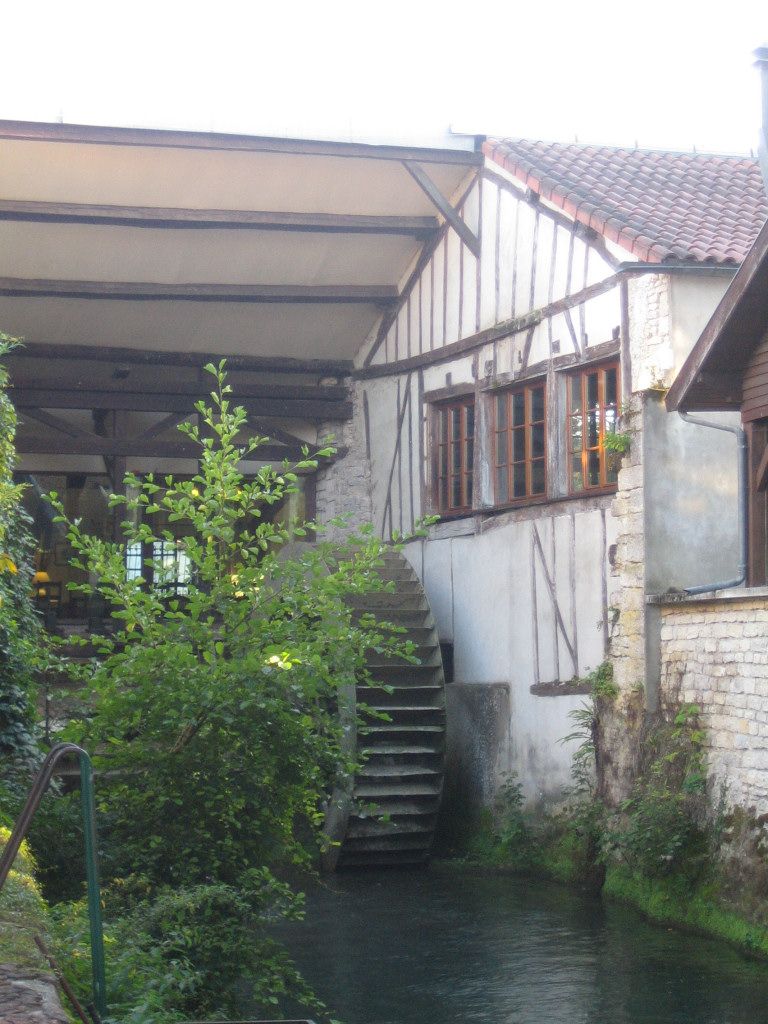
[35,131]
[147,291]
[141,401]
[443,205]
[177,217]
[158,357]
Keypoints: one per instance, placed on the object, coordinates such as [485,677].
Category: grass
[23,913]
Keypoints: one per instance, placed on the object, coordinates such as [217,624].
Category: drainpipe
[761,62]
[741,447]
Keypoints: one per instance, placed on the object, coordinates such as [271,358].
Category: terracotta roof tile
[661,206]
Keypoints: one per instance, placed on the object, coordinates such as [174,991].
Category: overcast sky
[673,74]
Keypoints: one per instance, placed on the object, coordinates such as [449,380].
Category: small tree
[213,713]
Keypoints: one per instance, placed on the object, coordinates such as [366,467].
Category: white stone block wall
[344,488]
[650,328]
[714,653]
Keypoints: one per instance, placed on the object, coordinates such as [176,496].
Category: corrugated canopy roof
[201,242]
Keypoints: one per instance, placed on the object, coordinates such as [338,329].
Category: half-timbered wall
[533,593]
[522,591]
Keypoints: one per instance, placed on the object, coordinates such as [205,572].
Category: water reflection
[433,948]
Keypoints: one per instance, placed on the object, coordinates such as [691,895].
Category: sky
[674,74]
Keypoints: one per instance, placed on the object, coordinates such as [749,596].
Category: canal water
[436,947]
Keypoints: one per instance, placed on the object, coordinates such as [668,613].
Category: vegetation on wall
[23,649]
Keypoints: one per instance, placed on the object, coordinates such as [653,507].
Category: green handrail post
[20,829]
[92,878]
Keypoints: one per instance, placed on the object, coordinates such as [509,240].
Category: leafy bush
[213,714]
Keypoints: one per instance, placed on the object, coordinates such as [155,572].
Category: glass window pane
[577,481]
[576,434]
[456,492]
[501,448]
[502,492]
[470,420]
[469,490]
[610,419]
[518,409]
[469,457]
[610,387]
[133,561]
[442,427]
[519,480]
[612,470]
[592,391]
[575,394]
[537,404]
[593,469]
[593,428]
[443,493]
[537,440]
[455,457]
[518,444]
[501,411]
[443,467]
[537,476]
[456,424]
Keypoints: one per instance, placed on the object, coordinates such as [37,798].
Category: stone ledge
[29,997]
[712,597]
[569,689]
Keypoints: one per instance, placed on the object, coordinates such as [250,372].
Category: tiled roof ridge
[558,143]
[660,205]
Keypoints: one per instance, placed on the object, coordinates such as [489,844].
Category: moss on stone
[671,902]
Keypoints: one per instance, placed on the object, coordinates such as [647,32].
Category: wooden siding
[754,404]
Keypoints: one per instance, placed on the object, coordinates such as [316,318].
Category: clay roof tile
[658,205]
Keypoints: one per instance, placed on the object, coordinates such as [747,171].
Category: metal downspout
[741,445]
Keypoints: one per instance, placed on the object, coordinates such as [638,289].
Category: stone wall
[714,653]
[29,997]
[651,356]
[344,488]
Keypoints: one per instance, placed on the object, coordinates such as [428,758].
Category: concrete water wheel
[388,814]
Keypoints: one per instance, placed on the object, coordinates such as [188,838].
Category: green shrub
[662,829]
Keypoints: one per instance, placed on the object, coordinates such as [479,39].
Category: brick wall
[714,653]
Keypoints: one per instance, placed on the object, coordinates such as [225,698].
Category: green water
[438,948]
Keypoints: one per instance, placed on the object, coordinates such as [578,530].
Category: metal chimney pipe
[761,61]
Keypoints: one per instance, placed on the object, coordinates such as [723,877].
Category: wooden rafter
[198,292]
[175,217]
[141,401]
[56,423]
[165,382]
[157,357]
[443,205]
[59,444]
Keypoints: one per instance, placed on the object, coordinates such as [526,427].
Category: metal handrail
[20,829]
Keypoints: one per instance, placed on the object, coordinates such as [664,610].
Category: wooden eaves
[710,378]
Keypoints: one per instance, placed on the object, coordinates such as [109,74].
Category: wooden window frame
[582,373]
[528,460]
[440,410]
